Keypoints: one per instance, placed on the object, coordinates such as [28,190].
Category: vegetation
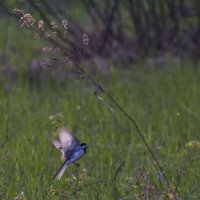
[165,104]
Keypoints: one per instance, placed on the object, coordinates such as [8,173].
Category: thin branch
[108,30]
[88,9]
[134,123]
[179,177]
[118,170]
[105,103]
[97,10]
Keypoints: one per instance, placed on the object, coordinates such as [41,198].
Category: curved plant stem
[101,89]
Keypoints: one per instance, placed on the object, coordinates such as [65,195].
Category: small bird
[70,148]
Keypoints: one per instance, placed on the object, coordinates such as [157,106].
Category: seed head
[47,49]
[54,25]
[41,25]
[27,20]
[85,39]
[65,25]
[18,12]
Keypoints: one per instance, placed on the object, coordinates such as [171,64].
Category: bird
[70,147]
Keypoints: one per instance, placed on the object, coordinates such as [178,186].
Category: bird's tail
[61,170]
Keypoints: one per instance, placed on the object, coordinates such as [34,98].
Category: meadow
[165,104]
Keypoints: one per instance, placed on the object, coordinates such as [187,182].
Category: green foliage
[165,103]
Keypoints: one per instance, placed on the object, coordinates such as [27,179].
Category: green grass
[165,104]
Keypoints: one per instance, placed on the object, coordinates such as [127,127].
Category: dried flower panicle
[18,12]
[41,25]
[54,25]
[47,49]
[85,39]
[65,26]
[36,35]
[27,20]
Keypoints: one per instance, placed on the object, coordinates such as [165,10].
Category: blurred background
[121,33]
